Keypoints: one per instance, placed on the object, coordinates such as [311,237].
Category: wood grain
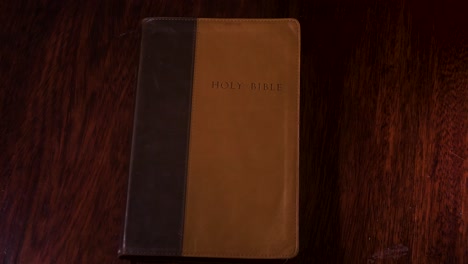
[383,135]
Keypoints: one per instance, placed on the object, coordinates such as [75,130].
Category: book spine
[156,194]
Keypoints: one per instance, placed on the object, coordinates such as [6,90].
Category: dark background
[383,126]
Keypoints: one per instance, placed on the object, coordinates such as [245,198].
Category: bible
[214,166]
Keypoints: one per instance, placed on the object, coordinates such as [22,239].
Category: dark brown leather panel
[156,194]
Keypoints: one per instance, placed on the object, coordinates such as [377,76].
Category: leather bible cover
[215,150]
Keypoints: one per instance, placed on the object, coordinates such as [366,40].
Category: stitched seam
[258,20]
[132,151]
[298,91]
[149,19]
[184,193]
[193,103]
[130,251]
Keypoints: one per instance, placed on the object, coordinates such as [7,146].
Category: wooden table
[384,117]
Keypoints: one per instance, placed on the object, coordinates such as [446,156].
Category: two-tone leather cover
[215,151]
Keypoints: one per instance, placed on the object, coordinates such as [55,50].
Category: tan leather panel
[242,181]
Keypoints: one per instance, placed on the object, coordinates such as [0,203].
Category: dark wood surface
[383,134]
